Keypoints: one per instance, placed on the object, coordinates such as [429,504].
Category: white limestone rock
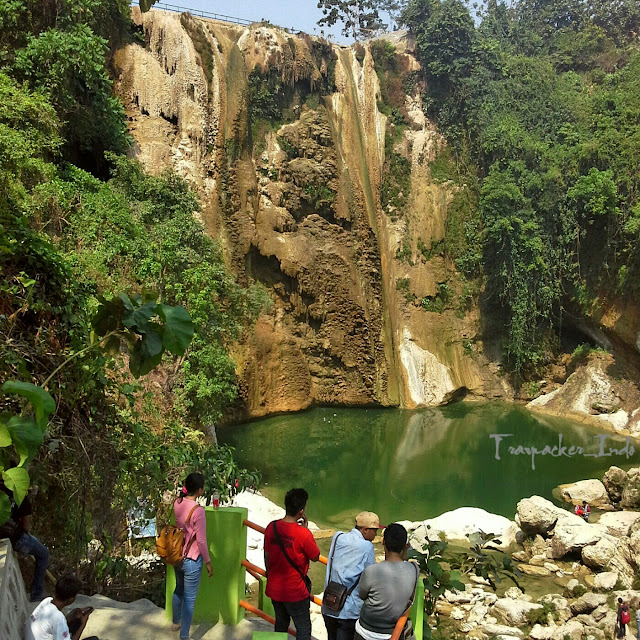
[593,491]
[605,581]
[569,537]
[588,602]
[500,629]
[599,555]
[618,523]
[514,611]
[535,515]
[456,525]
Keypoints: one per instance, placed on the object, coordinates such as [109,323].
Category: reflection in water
[413,464]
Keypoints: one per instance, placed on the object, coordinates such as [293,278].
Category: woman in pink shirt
[196,553]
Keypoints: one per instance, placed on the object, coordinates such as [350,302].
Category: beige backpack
[170,542]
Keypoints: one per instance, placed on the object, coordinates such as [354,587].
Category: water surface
[413,465]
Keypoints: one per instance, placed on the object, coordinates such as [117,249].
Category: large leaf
[147,352]
[17,481]
[5,436]
[5,508]
[43,404]
[24,431]
[178,329]
[108,316]
[138,318]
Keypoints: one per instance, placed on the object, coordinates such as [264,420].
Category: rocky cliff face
[321,197]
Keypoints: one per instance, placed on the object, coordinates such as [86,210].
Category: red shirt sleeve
[310,546]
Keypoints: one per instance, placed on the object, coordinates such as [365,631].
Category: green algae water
[413,465]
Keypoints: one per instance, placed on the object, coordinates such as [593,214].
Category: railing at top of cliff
[199,13]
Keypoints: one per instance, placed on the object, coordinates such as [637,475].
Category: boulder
[600,612]
[614,481]
[535,515]
[593,491]
[514,611]
[514,593]
[599,555]
[538,560]
[520,556]
[631,492]
[619,523]
[594,633]
[444,608]
[572,630]
[605,581]
[500,629]
[532,570]
[572,586]
[457,613]
[541,633]
[477,613]
[569,537]
[624,562]
[555,600]
[588,602]
[456,525]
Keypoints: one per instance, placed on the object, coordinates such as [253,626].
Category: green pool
[412,465]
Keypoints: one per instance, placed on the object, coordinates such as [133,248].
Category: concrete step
[143,620]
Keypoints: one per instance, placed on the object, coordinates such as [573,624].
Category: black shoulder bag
[336,594]
[305,578]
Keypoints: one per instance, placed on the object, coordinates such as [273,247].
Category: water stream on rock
[412,465]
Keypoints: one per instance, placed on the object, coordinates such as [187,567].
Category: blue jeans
[30,545]
[184,596]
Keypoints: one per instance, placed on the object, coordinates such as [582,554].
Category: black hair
[193,482]
[395,537]
[295,501]
[67,587]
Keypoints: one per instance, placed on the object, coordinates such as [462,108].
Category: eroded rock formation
[291,183]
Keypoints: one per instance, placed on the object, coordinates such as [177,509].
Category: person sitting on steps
[47,622]
[18,530]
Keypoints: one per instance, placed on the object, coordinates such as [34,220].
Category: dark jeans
[338,629]
[299,612]
[31,546]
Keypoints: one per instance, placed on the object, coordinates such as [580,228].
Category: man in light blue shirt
[349,555]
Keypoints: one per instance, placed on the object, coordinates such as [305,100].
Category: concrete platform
[143,620]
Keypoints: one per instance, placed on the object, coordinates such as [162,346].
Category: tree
[360,18]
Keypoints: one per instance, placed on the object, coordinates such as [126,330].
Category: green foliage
[437,303]
[486,561]
[396,183]
[545,98]
[359,18]
[71,418]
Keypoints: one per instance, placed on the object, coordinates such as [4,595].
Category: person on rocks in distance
[288,548]
[196,553]
[623,618]
[386,588]
[350,554]
[586,510]
[47,622]
[18,530]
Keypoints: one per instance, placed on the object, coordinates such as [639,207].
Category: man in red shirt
[288,548]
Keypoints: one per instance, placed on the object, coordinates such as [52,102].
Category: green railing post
[416,614]
[218,597]
[264,601]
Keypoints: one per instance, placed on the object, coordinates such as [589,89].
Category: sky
[301,15]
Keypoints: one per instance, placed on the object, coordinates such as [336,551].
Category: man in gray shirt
[386,588]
